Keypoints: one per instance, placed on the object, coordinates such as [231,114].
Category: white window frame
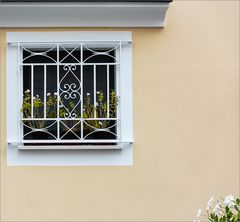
[124,82]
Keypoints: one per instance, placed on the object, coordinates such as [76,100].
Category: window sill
[84,147]
[41,156]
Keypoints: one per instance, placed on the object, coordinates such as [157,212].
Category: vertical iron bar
[32,88]
[107,91]
[58,97]
[45,91]
[81,90]
[94,90]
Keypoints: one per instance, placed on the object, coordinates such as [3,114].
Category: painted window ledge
[84,14]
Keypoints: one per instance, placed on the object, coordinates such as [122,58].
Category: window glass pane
[98,55]
[26,78]
[39,130]
[88,86]
[51,91]
[70,53]
[43,55]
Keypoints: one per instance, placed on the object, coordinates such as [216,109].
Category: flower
[48,94]
[222,210]
[198,215]
[37,95]
[209,204]
[88,94]
[199,212]
[34,97]
[27,91]
[100,123]
[97,104]
[217,208]
[55,94]
[98,92]
[229,201]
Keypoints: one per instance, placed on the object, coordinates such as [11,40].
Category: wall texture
[186,130]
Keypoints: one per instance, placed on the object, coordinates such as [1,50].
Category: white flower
[88,94]
[100,123]
[34,97]
[198,215]
[209,204]
[229,201]
[55,94]
[27,91]
[217,208]
[98,92]
[97,104]
[199,212]
[48,94]
[37,95]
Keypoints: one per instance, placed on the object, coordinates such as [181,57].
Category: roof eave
[84,14]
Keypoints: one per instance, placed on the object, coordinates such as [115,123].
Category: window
[73,91]
[70,93]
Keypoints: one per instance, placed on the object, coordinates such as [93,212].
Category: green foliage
[26,105]
[51,106]
[101,109]
[226,210]
[38,109]
[89,111]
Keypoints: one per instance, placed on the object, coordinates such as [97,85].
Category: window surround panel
[125,82]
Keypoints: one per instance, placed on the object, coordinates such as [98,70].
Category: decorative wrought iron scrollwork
[70,91]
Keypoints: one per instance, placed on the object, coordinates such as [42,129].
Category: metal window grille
[70,92]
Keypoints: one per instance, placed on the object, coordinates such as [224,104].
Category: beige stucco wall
[186,130]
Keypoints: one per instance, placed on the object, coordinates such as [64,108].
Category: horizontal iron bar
[62,119]
[63,64]
[69,141]
[73,43]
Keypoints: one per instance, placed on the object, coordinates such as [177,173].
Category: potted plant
[103,126]
[102,111]
[38,124]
